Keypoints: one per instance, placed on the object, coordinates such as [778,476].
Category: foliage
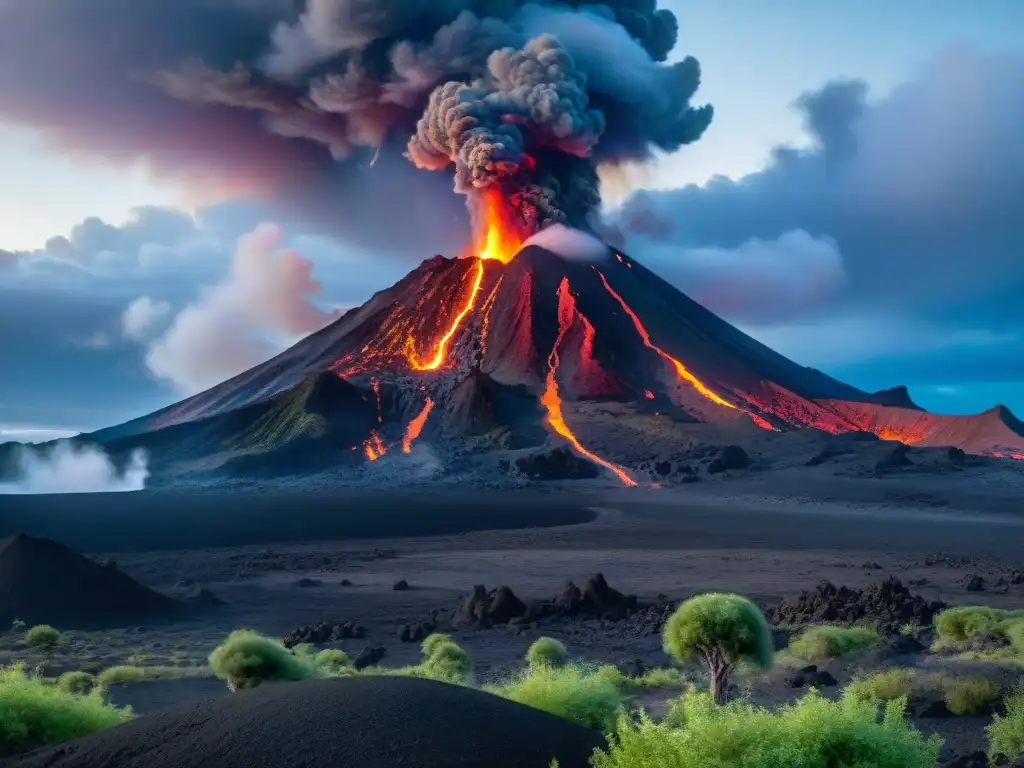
[826,642]
[909,630]
[78,683]
[43,637]
[1006,733]
[893,684]
[246,659]
[721,630]
[658,677]
[812,732]
[546,651]
[572,692]
[444,660]
[131,674]
[34,712]
[958,626]
[431,641]
[332,661]
[970,695]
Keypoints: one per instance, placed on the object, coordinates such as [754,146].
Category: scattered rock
[827,453]
[416,633]
[973,760]
[346,583]
[635,668]
[906,644]
[872,566]
[482,609]
[895,459]
[731,457]
[810,676]
[307,582]
[319,634]
[956,456]
[887,602]
[557,464]
[505,606]
[401,586]
[369,656]
[972,582]
[918,582]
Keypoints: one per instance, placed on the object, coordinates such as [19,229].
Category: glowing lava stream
[551,400]
[416,426]
[500,246]
[374,447]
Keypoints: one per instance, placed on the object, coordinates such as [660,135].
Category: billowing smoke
[69,468]
[569,243]
[311,103]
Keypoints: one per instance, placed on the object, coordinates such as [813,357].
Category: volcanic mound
[374,722]
[43,582]
[479,354]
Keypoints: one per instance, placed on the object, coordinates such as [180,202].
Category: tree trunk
[719,678]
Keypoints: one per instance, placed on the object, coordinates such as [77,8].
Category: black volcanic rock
[887,603]
[43,582]
[325,632]
[896,397]
[482,608]
[731,457]
[896,459]
[557,464]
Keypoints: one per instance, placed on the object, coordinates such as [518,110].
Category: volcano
[498,352]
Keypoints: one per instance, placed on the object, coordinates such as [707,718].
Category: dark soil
[377,722]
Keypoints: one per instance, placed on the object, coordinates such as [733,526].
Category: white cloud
[143,318]
[262,306]
[67,468]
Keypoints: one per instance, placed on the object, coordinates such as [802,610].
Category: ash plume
[290,99]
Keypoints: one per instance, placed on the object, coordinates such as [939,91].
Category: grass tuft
[1006,733]
[970,695]
[34,712]
[890,685]
[246,659]
[827,642]
[572,692]
[43,637]
[78,683]
[124,674]
[546,652]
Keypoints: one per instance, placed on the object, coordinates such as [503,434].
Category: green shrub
[909,630]
[824,642]
[127,673]
[245,659]
[43,637]
[34,712]
[304,649]
[445,661]
[957,626]
[546,651]
[970,695]
[812,732]
[78,683]
[332,661]
[428,645]
[890,685]
[1006,734]
[659,677]
[571,692]
[722,631]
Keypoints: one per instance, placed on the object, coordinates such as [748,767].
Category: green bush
[1006,734]
[548,652]
[824,642]
[431,641]
[131,674]
[43,637]
[812,732]
[957,626]
[722,631]
[246,659]
[970,695]
[332,661]
[34,712]
[571,692]
[445,660]
[78,683]
[890,685]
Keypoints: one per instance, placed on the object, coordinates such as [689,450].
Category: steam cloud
[291,98]
[70,468]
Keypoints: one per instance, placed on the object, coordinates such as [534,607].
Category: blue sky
[77,367]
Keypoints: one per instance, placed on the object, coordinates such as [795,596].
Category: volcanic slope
[485,352]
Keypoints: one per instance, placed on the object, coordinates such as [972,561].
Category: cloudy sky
[855,204]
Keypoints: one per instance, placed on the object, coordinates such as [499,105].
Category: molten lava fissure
[374,448]
[551,400]
[375,383]
[442,346]
[680,369]
[415,427]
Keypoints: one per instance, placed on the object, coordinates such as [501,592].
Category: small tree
[546,652]
[721,631]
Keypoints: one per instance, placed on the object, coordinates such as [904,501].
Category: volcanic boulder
[732,457]
[557,464]
[482,609]
[887,603]
[325,632]
[43,582]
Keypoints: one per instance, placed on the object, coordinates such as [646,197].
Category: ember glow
[551,400]
[373,448]
[501,242]
[680,369]
[415,427]
[376,391]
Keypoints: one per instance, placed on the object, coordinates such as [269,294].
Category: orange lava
[501,244]
[681,370]
[416,427]
[648,394]
[551,400]
[374,447]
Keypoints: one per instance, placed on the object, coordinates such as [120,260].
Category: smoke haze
[70,468]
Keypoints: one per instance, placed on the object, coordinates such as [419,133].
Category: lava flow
[374,447]
[680,369]
[552,402]
[501,245]
[416,427]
